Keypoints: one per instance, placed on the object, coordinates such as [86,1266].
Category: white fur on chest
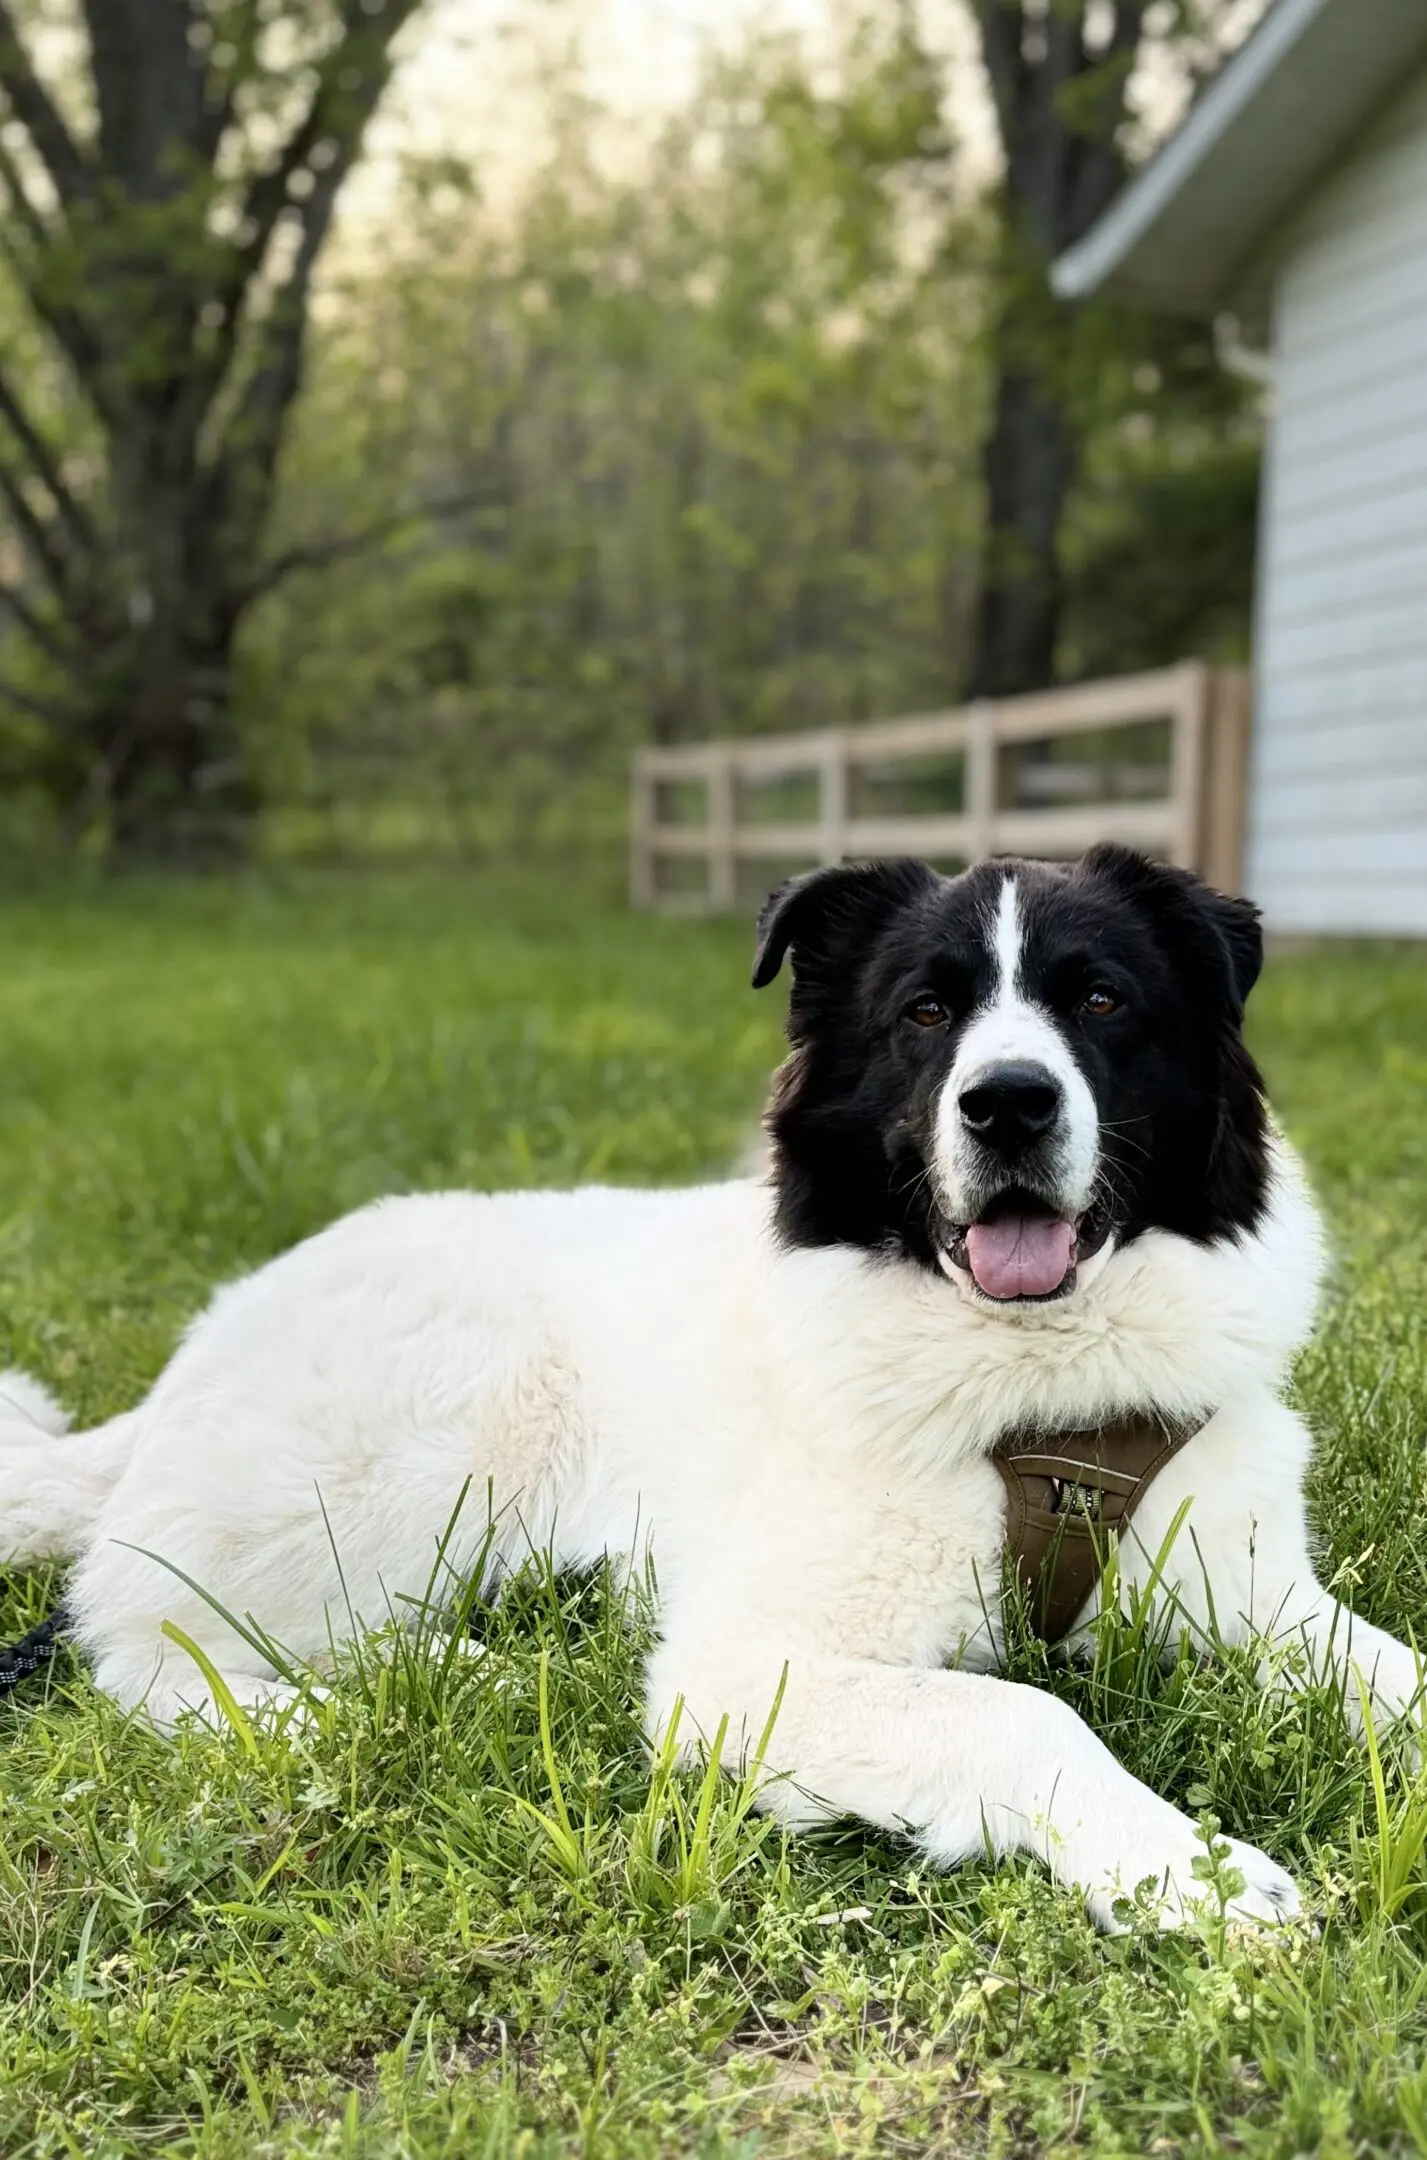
[809,1431]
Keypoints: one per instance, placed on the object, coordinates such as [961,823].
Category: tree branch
[1002,25]
[339,547]
[13,601]
[28,265]
[245,466]
[1098,166]
[37,534]
[257,424]
[45,463]
[240,35]
[350,81]
[1125,35]
[42,708]
[21,201]
[1061,77]
[40,116]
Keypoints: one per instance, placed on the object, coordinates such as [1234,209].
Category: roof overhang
[1186,231]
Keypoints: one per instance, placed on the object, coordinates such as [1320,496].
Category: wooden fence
[1156,761]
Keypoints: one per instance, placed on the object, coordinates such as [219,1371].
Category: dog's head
[1007,1075]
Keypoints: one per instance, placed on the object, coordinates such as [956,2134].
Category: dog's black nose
[1011,1106]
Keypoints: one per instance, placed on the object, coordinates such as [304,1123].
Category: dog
[1022,1178]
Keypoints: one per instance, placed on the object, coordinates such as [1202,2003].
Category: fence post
[723,864]
[832,798]
[642,893]
[1226,779]
[1186,786]
[979,793]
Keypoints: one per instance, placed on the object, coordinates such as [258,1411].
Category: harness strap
[1065,1492]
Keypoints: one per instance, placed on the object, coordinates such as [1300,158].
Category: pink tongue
[1021,1255]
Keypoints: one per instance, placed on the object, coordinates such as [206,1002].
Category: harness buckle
[1071,1498]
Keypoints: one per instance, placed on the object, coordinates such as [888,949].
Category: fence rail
[1041,775]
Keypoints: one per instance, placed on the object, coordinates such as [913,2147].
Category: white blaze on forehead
[1006,940]
[1009,1029]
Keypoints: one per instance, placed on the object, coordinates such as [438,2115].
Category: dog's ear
[1242,931]
[827,915]
[1186,905]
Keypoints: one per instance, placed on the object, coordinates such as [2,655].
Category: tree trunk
[1058,76]
[1029,466]
[169,760]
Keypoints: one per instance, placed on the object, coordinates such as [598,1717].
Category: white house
[1291,207]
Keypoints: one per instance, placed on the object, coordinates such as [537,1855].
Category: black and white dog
[1021,1175]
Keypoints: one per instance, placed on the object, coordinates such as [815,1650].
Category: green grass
[461,1915]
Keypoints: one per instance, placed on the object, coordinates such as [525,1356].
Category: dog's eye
[928,1012]
[1099,1002]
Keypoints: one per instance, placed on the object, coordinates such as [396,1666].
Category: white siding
[1338,807]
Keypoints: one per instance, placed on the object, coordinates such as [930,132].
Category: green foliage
[1160,532]
[356,1936]
[1396,1855]
[701,419]
[718,419]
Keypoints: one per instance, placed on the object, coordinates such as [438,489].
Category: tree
[162,226]
[720,412]
[1158,544]
[1060,73]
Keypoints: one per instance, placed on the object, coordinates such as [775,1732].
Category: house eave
[1188,232]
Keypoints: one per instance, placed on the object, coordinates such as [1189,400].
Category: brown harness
[1065,1492]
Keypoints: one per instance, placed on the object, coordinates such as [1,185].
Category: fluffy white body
[800,1436]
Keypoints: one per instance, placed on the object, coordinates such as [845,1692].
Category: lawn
[426,1925]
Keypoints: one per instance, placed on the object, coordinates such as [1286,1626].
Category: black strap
[19,1659]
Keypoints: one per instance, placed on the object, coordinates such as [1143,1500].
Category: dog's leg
[1240,1567]
[963,1762]
[133,1623]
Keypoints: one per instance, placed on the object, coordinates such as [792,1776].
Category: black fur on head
[853,1116]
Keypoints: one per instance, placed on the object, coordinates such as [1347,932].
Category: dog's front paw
[1167,1870]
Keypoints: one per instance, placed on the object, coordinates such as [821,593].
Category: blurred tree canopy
[720,418]
[706,427]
